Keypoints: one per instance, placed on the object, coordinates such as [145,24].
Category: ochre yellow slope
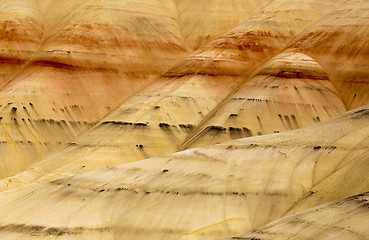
[88,63]
[289,92]
[339,42]
[98,98]
[203,20]
[203,193]
[262,105]
[157,120]
[21,31]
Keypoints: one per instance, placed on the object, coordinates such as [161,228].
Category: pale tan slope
[21,31]
[289,92]
[203,20]
[340,43]
[157,120]
[344,219]
[350,180]
[203,193]
[90,61]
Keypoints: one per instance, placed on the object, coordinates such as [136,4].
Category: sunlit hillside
[182,119]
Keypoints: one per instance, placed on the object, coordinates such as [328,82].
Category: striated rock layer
[208,193]
[203,20]
[67,64]
[158,119]
[289,92]
[339,42]
[88,63]
[21,31]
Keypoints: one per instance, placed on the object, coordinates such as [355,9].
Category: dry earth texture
[110,109]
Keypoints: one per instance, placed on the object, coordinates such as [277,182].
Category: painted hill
[86,65]
[202,193]
[109,112]
[160,118]
[289,92]
[84,58]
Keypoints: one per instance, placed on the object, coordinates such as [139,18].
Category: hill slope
[211,192]
[158,119]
